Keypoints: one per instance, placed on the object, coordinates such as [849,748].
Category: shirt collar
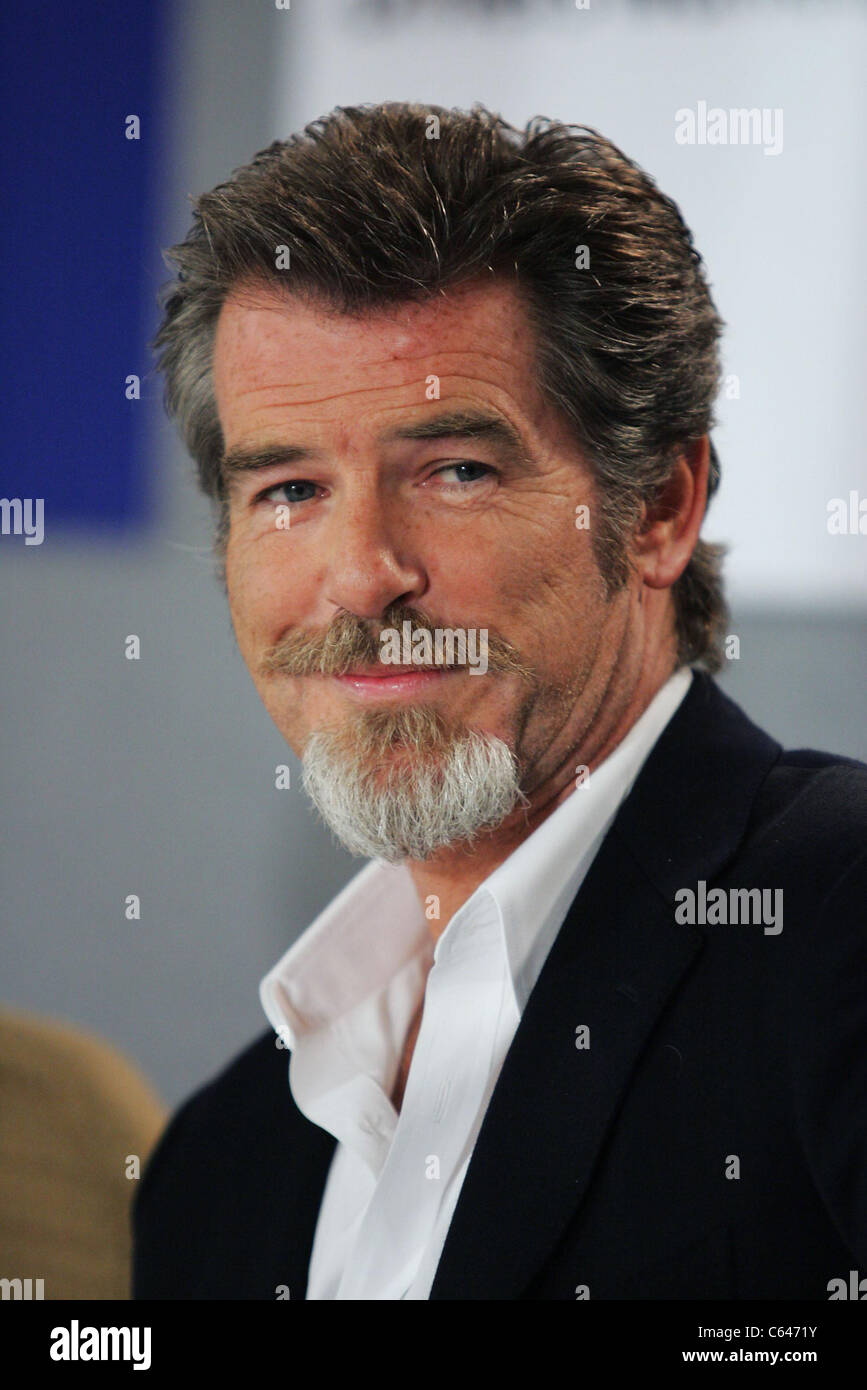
[376,926]
[361,940]
[535,887]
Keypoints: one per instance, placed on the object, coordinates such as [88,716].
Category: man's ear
[667,535]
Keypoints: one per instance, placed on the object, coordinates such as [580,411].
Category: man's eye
[290,494]
[462,469]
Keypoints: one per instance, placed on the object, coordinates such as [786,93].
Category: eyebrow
[456,424]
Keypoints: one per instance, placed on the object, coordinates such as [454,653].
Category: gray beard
[400,785]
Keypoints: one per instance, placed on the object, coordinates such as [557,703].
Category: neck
[453,874]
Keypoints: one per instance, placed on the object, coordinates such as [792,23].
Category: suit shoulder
[823,786]
[813,805]
[225,1108]
[261,1060]
[246,1081]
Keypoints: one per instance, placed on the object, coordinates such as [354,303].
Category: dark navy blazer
[710,1142]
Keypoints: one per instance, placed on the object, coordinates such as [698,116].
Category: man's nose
[372,561]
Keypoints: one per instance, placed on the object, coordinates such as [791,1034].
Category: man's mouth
[382,670]
[378,681]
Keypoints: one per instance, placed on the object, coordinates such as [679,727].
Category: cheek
[552,585]
[257,601]
[555,611]
[269,593]
[257,574]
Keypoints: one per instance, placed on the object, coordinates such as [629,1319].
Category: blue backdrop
[80,259]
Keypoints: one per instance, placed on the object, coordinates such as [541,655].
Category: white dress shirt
[343,998]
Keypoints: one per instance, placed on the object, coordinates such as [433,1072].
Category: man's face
[353,515]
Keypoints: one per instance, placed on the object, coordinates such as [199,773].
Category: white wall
[782,234]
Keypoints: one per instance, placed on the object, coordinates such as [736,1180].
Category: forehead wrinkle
[366,390]
[320,400]
[516,397]
[424,359]
[403,347]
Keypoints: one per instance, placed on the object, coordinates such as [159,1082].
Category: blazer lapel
[613,967]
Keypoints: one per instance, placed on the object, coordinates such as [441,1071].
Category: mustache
[350,642]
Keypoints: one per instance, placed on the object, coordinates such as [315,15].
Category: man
[593,1023]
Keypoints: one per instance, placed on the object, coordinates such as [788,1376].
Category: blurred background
[155,776]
